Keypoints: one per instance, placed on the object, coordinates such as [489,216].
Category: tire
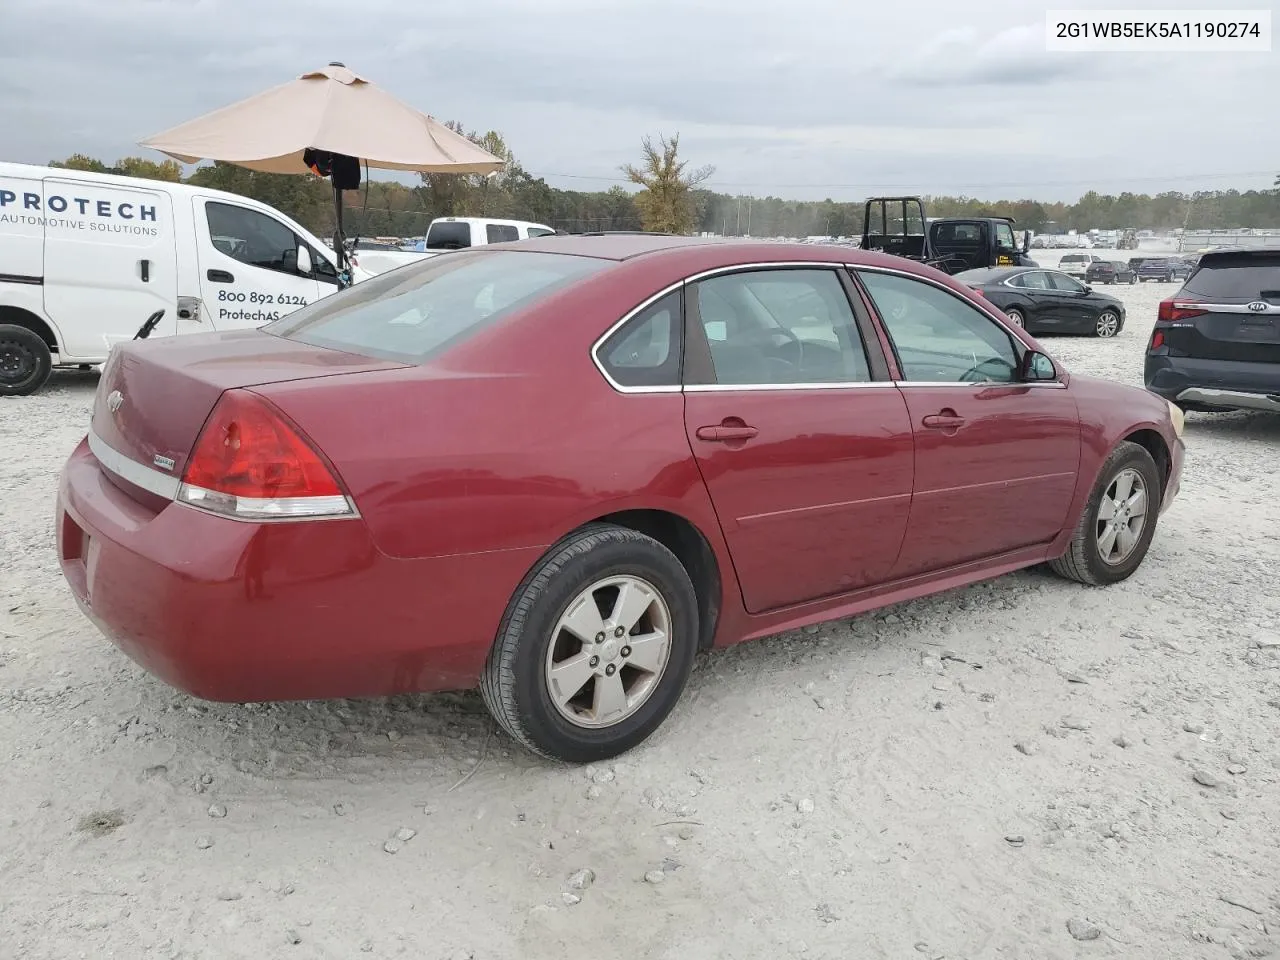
[515,684]
[1107,324]
[1016,317]
[25,361]
[1083,561]
[1133,279]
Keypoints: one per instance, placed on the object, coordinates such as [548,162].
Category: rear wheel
[1133,279]
[1108,324]
[1118,521]
[1016,317]
[25,361]
[595,648]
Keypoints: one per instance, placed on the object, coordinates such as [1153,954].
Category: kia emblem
[1258,306]
[114,399]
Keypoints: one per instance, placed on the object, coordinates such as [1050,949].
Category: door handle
[220,276]
[946,420]
[722,432]
[146,270]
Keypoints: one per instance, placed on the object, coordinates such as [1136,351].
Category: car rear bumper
[1220,384]
[235,611]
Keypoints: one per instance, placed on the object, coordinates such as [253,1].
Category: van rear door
[110,261]
[248,260]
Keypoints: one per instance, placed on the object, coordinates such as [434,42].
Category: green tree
[666,202]
[169,170]
[78,161]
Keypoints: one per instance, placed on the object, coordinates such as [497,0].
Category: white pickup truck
[450,233]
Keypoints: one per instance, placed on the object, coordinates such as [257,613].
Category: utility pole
[749,202]
[738,229]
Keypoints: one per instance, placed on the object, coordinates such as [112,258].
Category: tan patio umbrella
[326,122]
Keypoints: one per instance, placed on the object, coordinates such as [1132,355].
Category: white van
[450,233]
[86,258]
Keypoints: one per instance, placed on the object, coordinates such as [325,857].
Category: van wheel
[25,361]
[595,647]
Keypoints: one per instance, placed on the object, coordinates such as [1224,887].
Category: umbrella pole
[340,243]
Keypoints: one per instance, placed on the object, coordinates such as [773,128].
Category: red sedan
[558,469]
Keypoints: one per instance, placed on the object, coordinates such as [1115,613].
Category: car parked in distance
[1077,264]
[1047,301]
[1216,342]
[558,469]
[1110,271]
[1164,269]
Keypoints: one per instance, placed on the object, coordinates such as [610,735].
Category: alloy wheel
[1122,514]
[1108,324]
[608,651]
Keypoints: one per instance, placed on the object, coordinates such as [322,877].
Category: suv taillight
[1178,308]
[250,462]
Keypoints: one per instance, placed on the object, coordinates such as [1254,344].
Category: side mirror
[1026,240]
[304,260]
[1036,368]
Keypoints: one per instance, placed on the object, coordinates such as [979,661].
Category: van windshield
[415,313]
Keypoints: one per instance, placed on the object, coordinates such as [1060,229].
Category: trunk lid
[155,395]
[1239,294]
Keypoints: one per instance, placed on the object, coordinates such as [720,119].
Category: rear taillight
[1178,308]
[1157,340]
[250,462]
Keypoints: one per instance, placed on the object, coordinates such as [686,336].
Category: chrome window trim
[775,387]
[694,278]
[1042,384]
[140,475]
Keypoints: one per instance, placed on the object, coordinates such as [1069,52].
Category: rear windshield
[415,313]
[1073,257]
[1237,276]
[449,235]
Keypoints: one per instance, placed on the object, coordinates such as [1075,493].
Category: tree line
[669,198]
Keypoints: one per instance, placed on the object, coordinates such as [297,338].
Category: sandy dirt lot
[1022,769]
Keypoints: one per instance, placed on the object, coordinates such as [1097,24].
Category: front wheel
[1016,317]
[1118,521]
[1108,324]
[1133,279]
[595,647]
[25,361]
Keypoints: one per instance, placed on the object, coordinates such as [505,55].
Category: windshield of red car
[414,313]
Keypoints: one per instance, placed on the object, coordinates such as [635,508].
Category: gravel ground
[1025,768]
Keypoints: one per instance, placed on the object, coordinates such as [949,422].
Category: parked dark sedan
[1164,269]
[1110,271]
[1046,301]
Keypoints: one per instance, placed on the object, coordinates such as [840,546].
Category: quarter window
[781,327]
[1063,283]
[938,337]
[646,351]
[253,238]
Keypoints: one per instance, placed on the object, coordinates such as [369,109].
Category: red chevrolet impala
[558,469]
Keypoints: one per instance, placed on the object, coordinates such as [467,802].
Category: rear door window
[500,232]
[414,314]
[1238,277]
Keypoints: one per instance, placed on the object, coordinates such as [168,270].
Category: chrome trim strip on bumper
[149,479]
[1232,398]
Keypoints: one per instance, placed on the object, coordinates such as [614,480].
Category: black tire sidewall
[1129,455]
[552,733]
[32,342]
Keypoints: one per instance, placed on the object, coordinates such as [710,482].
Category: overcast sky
[803,99]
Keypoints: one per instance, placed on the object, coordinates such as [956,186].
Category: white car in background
[450,233]
[1077,264]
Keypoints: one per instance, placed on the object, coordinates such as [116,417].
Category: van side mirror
[304,260]
[1026,240]
[1036,368]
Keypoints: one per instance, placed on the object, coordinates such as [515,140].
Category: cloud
[822,93]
